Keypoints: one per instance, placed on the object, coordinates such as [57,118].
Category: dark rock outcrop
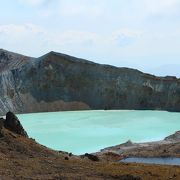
[13,124]
[1,127]
[90,157]
[56,82]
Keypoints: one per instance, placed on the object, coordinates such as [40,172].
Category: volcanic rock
[13,124]
[128,143]
[1,126]
[174,137]
[91,157]
[56,82]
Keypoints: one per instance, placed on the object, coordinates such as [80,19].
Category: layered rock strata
[56,82]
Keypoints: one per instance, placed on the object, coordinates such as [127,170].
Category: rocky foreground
[169,147]
[56,82]
[22,158]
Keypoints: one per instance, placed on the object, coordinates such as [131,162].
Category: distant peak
[56,53]
[51,52]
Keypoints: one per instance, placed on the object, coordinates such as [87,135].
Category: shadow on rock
[13,124]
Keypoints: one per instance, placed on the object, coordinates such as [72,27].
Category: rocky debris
[173,137]
[111,156]
[128,143]
[13,124]
[169,147]
[90,157]
[120,147]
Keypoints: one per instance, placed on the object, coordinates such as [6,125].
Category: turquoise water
[89,131]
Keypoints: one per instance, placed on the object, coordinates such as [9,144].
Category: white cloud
[87,38]
[81,7]
[69,8]
[17,33]
[125,36]
[22,38]
[32,39]
[33,2]
[13,30]
[161,6]
[74,37]
[36,37]
[127,33]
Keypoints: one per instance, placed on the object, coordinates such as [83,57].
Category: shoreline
[122,136]
[22,157]
[168,147]
[83,110]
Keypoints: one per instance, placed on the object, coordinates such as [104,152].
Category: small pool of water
[163,161]
[82,132]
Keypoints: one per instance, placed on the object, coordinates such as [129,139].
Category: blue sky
[143,34]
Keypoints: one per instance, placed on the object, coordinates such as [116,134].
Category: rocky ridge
[56,82]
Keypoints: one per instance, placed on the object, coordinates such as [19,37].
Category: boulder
[13,124]
[91,157]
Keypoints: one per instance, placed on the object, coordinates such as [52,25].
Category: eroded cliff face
[56,82]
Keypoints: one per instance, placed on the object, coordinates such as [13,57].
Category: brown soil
[23,158]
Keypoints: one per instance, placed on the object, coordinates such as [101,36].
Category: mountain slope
[10,60]
[56,82]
